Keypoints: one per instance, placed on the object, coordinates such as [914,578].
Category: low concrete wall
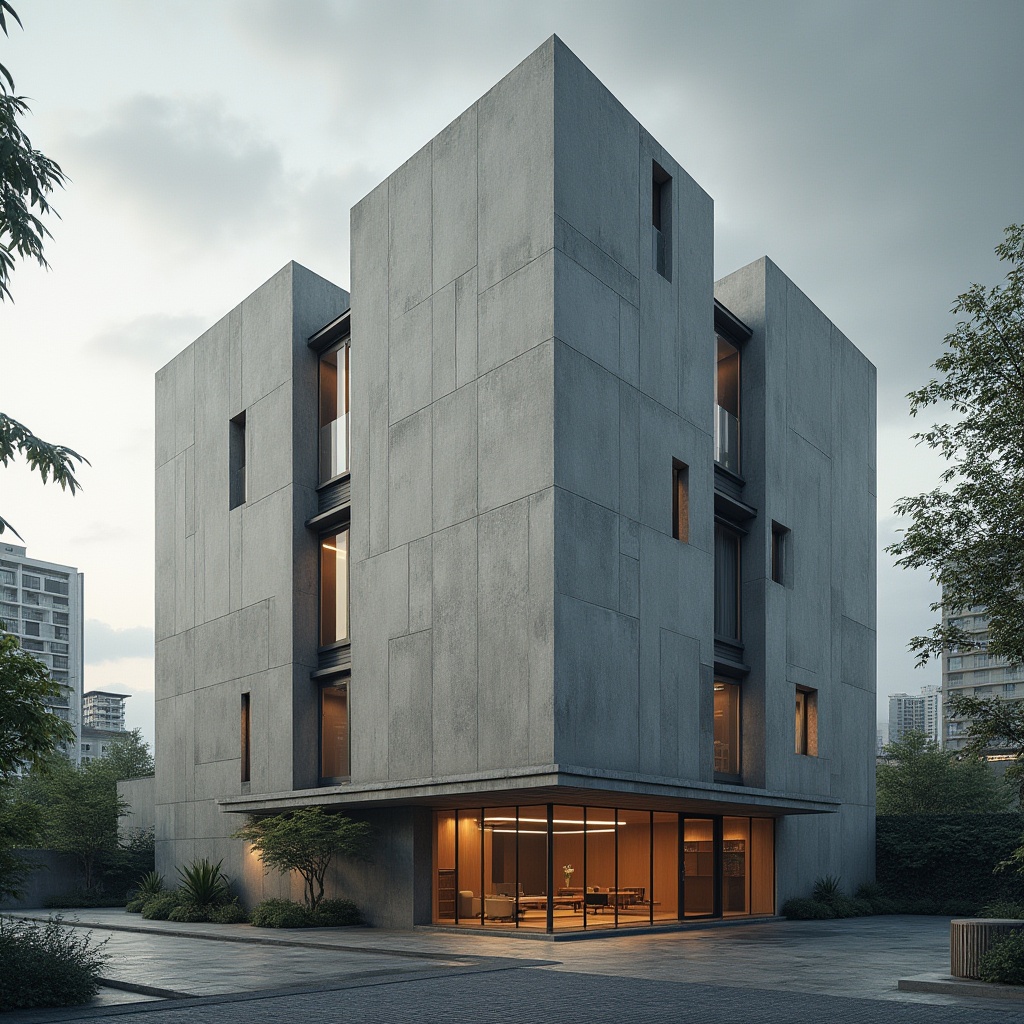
[57,873]
[140,795]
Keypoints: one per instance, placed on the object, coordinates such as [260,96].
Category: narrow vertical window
[727,728]
[661,221]
[727,405]
[246,732]
[236,461]
[334,409]
[806,721]
[727,583]
[680,501]
[779,545]
[334,588]
[334,752]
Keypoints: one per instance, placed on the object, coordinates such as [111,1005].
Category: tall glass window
[727,405]
[727,582]
[334,753]
[727,728]
[556,867]
[735,866]
[334,588]
[698,867]
[334,409]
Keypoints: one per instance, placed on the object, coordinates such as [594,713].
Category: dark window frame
[246,737]
[680,501]
[780,554]
[238,484]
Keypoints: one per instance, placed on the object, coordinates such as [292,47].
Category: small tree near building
[29,729]
[80,810]
[129,757]
[306,841]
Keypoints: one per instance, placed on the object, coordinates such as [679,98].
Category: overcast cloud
[105,643]
[873,150]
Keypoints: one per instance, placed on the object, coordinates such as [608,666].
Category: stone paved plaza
[776,972]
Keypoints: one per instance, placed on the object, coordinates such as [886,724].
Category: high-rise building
[574,600]
[42,604]
[102,722]
[916,713]
[103,711]
[975,673]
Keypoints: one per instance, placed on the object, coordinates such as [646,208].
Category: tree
[29,729]
[918,777]
[993,723]
[44,457]
[80,810]
[306,841]
[969,531]
[20,827]
[129,757]
[27,178]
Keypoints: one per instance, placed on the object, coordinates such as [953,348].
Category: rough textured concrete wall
[140,796]
[809,462]
[633,391]
[233,586]
[56,874]
[452,377]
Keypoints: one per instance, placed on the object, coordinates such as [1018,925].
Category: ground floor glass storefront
[551,867]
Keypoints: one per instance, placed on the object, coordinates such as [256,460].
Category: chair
[466,904]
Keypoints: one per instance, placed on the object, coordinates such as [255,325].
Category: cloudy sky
[873,150]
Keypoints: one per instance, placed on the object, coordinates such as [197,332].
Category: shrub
[150,884]
[1004,962]
[159,907]
[189,913]
[230,913]
[204,884]
[336,914]
[803,909]
[135,905]
[47,966]
[870,891]
[931,860]
[274,913]
[94,897]
[1003,908]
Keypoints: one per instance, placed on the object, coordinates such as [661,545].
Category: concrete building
[102,722]
[916,713]
[975,673]
[577,604]
[42,604]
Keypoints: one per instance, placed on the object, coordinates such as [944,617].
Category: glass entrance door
[700,863]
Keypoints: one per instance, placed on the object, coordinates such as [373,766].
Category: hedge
[945,859]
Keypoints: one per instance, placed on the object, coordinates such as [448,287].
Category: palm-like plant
[203,884]
[150,884]
[827,889]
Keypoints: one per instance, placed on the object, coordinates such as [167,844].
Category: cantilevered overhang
[561,784]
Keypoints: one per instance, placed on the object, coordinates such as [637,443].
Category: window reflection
[334,410]
[727,728]
[727,582]
[334,588]
[609,868]
[727,405]
[334,755]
